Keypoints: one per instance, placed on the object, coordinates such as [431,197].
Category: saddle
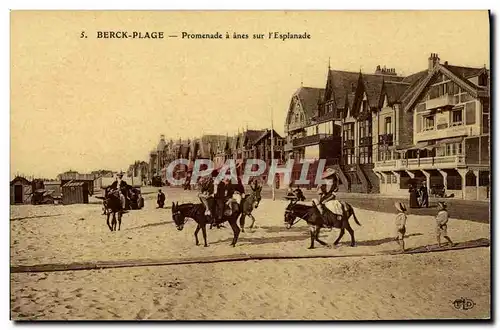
[230,206]
[332,211]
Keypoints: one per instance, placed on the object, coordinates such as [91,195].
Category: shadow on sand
[346,240]
[36,216]
[264,240]
[151,225]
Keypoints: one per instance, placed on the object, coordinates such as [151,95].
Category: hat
[442,205]
[328,173]
[401,207]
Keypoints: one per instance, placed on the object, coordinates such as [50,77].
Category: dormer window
[483,80]
[365,105]
[353,87]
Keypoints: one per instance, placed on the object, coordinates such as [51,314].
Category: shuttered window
[470,113]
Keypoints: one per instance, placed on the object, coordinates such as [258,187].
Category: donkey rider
[327,196]
[206,195]
[122,187]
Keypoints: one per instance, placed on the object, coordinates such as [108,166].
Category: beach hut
[20,191]
[75,192]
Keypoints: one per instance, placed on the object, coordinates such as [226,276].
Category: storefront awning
[450,140]
[418,146]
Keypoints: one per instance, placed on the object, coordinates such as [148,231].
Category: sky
[87,103]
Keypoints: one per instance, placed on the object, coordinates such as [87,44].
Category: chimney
[433,60]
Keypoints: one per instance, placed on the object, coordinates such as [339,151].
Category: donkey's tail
[349,206]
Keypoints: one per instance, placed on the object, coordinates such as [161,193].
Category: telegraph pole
[272,151]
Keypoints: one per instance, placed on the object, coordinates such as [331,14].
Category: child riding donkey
[327,204]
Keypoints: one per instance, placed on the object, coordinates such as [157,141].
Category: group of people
[214,194]
[419,197]
[441,224]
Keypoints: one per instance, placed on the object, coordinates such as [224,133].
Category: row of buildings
[249,144]
[381,131]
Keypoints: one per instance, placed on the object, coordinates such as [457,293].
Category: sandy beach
[376,287]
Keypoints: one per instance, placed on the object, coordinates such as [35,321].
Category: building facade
[395,131]
[445,133]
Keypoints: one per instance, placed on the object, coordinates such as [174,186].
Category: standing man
[424,195]
[161,199]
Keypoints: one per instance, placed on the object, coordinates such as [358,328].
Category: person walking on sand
[424,195]
[401,224]
[442,224]
[161,199]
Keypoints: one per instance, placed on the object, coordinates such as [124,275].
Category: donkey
[181,214]
[248,204]
[113,206]
[317,221]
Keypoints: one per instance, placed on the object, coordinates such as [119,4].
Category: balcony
[386,139]
[441,102]
[435,134]
[365,141]
[309,140]
[295,126]
[444,162]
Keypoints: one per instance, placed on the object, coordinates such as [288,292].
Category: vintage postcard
[250,165]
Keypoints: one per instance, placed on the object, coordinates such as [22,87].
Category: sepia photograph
[250,165]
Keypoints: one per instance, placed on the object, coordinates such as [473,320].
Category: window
[483,80]
[365,105]
[349,131]
[457,117]
[348,155]
[429,123]
[365,128]
[486,123]
[365,155]
[384,155]
[452,88]
[388,125]
[453,149]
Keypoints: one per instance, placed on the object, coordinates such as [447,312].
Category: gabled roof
[20,179]
[394,91]
[309,97]
[414,78]
[266,133]
[463,71]
[209,144]
[249,137]
[412,95]
[338,85]
[372,88]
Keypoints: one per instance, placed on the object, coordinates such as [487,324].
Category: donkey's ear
[173,205]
